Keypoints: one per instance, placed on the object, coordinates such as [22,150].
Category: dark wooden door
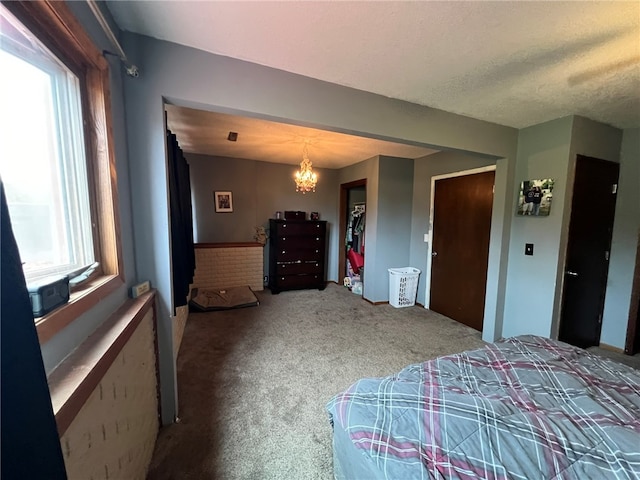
[460,254]
[589,243]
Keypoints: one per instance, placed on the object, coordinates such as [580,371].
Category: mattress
[524,408]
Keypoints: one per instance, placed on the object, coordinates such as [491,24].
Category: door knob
[572,274]
[434,254]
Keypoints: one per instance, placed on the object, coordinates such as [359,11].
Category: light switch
[528,248]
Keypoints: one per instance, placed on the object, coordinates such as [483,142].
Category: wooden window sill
[80,302]
[73,381]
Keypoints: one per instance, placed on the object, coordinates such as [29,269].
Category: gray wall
[193,78]
[393,231]
[367,169]
[388,223]
[270,187]
[543,152]
[549,151]
[357,195]
[58,347]
[624,243]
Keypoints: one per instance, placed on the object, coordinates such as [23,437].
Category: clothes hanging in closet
[355,233]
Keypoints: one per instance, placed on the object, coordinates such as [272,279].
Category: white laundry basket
[403,286]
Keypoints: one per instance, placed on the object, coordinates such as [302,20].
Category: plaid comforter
[527,407]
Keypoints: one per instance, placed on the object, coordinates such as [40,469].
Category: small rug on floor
[209,299]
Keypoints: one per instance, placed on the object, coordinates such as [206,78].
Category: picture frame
[224,202]
[535,196]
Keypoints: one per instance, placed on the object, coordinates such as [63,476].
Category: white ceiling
[206,133]
[512,63]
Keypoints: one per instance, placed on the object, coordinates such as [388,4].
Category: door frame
[632,324]
[429,235]
[344,194]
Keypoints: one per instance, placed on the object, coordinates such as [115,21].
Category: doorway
[461,219]
[353,198]
[589,243]
[632,344]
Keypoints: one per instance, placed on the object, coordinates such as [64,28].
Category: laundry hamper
[403,286]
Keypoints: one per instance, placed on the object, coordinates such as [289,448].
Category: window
[42,155]
[56,159]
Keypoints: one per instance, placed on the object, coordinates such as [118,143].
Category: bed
[524,408]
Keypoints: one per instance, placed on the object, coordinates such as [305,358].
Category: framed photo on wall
[224,201]
[535,197]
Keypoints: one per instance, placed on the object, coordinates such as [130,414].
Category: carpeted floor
[631,360]
[253,382]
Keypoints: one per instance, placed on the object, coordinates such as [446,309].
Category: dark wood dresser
[297,254]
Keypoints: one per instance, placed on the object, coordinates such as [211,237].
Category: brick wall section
[180,321]
[114,433]
[222,266]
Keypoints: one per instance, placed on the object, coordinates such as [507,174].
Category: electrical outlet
[528,248]
[139,289]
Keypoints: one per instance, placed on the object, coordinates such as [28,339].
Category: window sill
[75,379]
[80,302]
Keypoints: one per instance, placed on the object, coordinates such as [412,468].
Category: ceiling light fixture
[305,178]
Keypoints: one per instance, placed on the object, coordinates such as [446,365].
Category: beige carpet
[253,382]
[631,360]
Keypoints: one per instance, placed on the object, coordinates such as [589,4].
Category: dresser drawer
[300,241]
[299,254]
[298,281]
[299,228]
[299,268]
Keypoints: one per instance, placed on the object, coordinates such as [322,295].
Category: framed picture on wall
[224,201]
[535,197]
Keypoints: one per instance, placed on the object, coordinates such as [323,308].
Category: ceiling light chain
[305,178]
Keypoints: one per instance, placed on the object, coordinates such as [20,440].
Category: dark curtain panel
[30,444]
[182,252]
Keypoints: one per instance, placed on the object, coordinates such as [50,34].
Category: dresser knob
[317,250]
[284,251]
[318,238]
[284,225]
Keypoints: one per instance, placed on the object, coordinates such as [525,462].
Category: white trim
[488,168]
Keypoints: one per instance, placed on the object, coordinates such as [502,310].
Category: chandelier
[305,178]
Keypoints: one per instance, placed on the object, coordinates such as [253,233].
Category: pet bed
[210,299]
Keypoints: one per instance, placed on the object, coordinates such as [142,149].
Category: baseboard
[611,348]
[387,303]
[366,299]
[374,303]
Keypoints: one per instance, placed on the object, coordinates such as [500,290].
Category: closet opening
[353,201]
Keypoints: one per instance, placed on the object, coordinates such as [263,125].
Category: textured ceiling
[206,133]
[512,63]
